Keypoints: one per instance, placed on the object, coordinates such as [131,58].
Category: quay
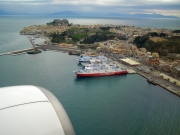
[17,52]
[131,69]
[43,47]
[160,81]
[163,83]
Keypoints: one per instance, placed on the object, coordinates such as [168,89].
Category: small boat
[84,59]
[150,80]
[74,53]
[34,51]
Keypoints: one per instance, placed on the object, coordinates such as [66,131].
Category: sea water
[116,105]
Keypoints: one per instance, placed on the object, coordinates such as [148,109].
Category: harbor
[125,104]
[127,63]
[132,68]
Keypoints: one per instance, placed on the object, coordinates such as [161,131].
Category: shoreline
[160,81]
[167,87]
[132,70]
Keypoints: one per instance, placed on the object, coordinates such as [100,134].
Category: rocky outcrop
[58,22]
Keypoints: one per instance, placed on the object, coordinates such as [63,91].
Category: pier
[17,52]
[42,47]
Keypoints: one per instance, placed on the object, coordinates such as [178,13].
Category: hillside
[158,44]
[158,39]
[82,35]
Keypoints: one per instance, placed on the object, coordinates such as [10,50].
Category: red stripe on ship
[101,74]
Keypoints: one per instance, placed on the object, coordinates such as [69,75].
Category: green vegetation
[84,35]
[101,36]
[57,38]
[105,28]
[163,47]
[176,31]
[153,34]
[71,35]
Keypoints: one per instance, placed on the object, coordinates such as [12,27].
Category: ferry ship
[89,59]
[101,70]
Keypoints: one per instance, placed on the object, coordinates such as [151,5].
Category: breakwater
[44,47]
[17,52]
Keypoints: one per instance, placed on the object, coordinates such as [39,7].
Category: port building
[130,62]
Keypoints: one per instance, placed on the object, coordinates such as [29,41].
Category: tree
[162,35]
[154,34]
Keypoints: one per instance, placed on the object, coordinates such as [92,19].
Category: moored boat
[150,80]
[101,70]
[34,51]
[74,53]
[84,59]
[89,59]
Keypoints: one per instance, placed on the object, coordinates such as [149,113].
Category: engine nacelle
[31,110]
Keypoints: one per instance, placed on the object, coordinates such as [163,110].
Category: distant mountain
[93,14]
[70,13]
[65,13]
[154,15]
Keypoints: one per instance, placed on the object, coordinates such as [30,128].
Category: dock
[42,47]
[131,71]
[23,51]
[160,81]
[163,83]
[18,52]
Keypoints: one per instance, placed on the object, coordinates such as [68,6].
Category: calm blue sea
[117,105]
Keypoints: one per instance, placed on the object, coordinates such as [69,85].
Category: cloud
[167,7]
[96,2]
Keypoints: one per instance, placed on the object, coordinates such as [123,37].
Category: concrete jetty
[131,71]
[18,52]
[43,47]
[163,83]
[160,81]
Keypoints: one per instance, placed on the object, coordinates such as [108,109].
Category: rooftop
[130,62]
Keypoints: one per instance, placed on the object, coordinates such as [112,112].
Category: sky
[164,7]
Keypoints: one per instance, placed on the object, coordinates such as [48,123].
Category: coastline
[132,70]
[160,81]
[123,103]
[170,87]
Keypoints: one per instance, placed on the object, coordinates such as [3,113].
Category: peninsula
[156,50]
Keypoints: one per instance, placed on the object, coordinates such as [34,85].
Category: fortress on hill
[58,22]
